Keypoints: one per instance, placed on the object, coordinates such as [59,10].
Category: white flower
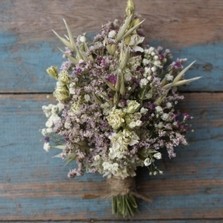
[151,49]
[138,49]
[116,118]
[127,75]
[87,97]
[165,116]
[110,168]
[143,82]
[44,132]
[157,63]
[143,110]
[130,137]
[169,77]
[134,124]
[112,34]
[54,118]
[156,57]
[147,162]
[169,105]
[154,69]
[120,142]
[132,107]
[157,156]
[46,146]
[160,125]
[49,123]
[60,106]
[159,109]
[97,157]
[148,95]
[118,146]
[82,39]
[147,71]
[67,125]
[149,78]
[47,110]
[145,61]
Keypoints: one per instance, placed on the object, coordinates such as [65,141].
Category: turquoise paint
[23,65]
[209,65]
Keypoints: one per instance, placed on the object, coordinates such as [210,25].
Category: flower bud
[61,94]
[52,71]
[111,48]
[63,77]
[130,9]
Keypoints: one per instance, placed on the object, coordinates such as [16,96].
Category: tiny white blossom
[169,77]
[67,125]
[147,162]
[97,157]
[151,49]
[44,132]
[147,70]
[87,98]
[46,146]
[112,34]
[165,116]
[135,124]
[159,109]
[143,110]
[149,78]
[82,39]
[154,69]
[169,105]
[175,123]
[148,95]
[160,125]
[143,82]
[157,63]
[157,156]
[156,57]
[145,61]
[49,123]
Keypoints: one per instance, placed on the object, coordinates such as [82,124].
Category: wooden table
[33,186]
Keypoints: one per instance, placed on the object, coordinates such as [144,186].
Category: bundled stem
[124,194]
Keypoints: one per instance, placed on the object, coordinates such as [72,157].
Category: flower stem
[124,205]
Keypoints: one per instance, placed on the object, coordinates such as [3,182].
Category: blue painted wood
[33,186]
[23,65]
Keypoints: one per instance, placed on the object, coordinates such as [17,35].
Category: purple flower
[112,79]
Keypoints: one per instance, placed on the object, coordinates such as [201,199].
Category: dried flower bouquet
[116,107]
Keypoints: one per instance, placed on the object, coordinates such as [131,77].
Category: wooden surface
[34,186]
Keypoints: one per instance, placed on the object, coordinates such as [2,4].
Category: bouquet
[116,107]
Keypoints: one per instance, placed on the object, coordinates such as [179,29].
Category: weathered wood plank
[28,47]
[147,221]
[184,22]
[33,186]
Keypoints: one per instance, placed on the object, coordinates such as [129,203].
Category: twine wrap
[118,186]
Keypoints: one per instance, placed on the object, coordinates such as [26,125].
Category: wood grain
[183,22]
[33,186]
[28,47]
